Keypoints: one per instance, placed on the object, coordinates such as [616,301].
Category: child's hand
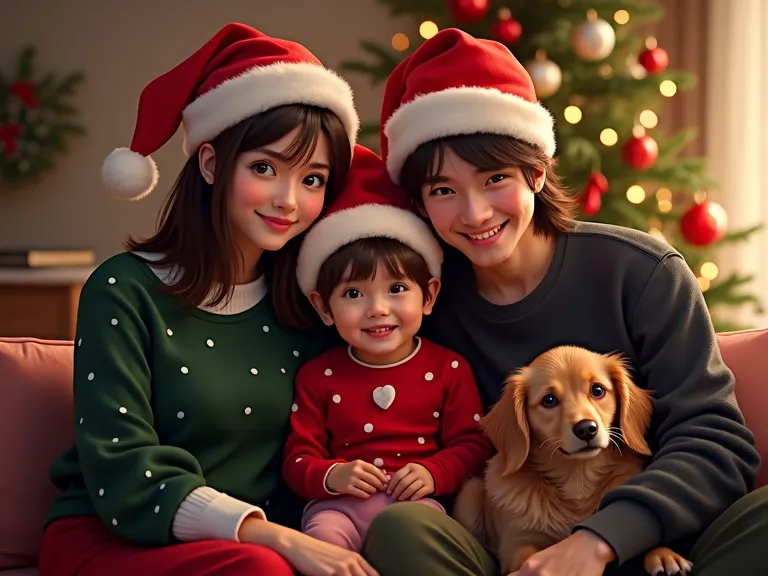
[356,478]
[411,481]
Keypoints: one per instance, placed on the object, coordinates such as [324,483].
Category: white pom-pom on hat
[128,174]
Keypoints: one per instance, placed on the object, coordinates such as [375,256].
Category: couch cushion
[19,572]
[746,354]
[36,426]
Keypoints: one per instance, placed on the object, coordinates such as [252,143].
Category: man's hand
[356,478]
[412,481]
[583,553]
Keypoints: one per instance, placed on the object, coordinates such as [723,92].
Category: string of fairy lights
[647,119]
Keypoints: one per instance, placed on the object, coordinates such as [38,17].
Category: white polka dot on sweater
[328,372]
[282,370]
[368,428]
[123,410]
[421,440]
[296,353]
[398,454]
[80,342]
[91,376]
[111,280]
[162,486]
[477,417]
[254,371]
[169,332]
[436,414]
[455,364]
[336,398]
[114,521]
[148,473]
[294,407]
[184,370]
[378,462]
[179,414]
[114,321]
[299,459]
[101,491]
[209,343]
[429,376]
[247,410]
[81,420]
[157,509]
[115,440]
[265,328]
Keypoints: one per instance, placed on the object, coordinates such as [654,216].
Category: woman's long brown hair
[194,235]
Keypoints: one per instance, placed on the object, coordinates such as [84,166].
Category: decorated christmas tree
[604,84]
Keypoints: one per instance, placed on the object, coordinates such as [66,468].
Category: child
[390,416]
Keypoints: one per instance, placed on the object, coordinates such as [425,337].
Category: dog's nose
[585,430]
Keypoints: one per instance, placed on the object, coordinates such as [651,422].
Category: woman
[467,139]
[183,375]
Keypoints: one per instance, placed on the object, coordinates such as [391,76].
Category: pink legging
[344,520]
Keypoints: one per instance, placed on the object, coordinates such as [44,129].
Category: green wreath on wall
[36,121]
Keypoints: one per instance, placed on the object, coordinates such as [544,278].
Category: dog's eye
[549,401]
[597,391]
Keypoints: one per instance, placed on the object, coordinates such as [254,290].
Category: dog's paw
[664,562]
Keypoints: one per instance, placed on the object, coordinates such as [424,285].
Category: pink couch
[36,425]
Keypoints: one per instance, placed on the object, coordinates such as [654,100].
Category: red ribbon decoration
[26,92]
[8,135]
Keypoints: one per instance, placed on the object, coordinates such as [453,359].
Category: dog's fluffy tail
[469,509]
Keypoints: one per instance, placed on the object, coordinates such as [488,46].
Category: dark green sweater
[168,400]
[614,289]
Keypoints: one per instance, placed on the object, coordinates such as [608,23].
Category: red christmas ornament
[26,92]
[654,59]
[640,151]
[8,135]
[591,198]
[468,11]
[506,29]
[704,223]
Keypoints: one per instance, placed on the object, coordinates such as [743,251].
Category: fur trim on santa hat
[263,88]
[128,174]
[465,110]
[365,221]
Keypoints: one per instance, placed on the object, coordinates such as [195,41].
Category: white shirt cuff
[207,514]
[325,478]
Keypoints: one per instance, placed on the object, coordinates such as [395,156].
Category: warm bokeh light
[609,137]
[621,17]
[709,270]
[427,29]
[703,283]
[400,42]
[635,194]
[668,88]
[649,119]
[663,194]
[572,114]
[665,206]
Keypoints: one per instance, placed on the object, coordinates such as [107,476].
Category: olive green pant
[409,539]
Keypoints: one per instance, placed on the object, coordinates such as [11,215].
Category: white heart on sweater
[383,396]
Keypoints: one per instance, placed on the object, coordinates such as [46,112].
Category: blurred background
[659,106]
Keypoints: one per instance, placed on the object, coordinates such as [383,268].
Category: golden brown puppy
[558,454]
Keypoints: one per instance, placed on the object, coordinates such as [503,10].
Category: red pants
[85,547]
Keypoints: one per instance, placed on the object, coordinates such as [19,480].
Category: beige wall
[121,46]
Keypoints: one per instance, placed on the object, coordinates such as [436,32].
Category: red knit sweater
[342,412]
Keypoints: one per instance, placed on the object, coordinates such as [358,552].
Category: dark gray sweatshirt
[612,289]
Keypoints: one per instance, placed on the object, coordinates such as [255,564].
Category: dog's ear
[506,424]
[635,407]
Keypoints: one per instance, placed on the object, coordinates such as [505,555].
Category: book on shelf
[45,258]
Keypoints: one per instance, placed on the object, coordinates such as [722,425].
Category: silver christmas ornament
[594,39]
[545,74]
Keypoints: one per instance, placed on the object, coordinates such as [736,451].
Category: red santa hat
[369,206]
[238,73]
[456,84]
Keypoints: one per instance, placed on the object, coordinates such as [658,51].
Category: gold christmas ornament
[594,39]
[545,74]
